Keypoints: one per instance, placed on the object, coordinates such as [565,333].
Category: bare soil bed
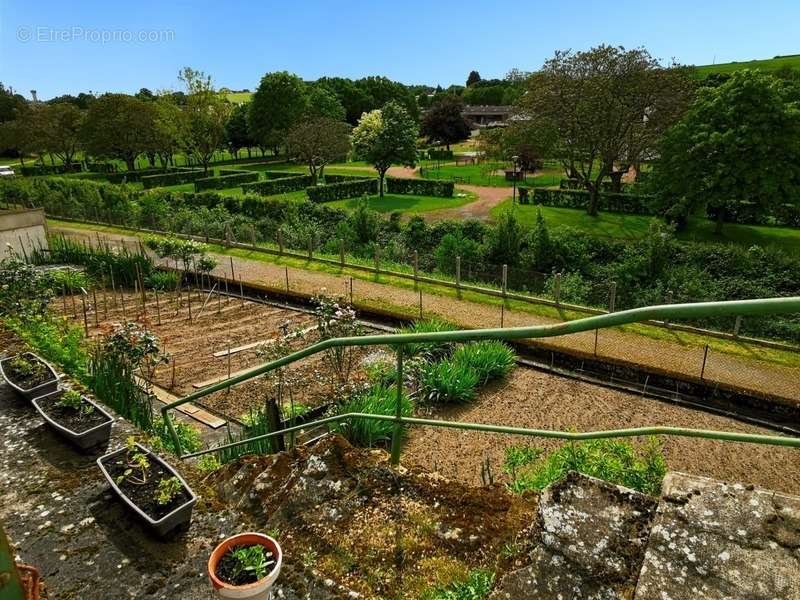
[533,399]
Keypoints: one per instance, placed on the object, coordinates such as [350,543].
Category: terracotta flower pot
[259,590]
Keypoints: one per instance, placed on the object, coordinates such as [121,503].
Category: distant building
[487,116]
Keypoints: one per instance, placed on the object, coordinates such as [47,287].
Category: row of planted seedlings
[116,370]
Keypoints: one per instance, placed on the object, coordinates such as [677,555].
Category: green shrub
[420,187]
[342,191]
[637,204]
[488,359]
[55,340]
[272,187]
[281,174]
[67,281]
[378,400]
[329,179]
[436,154]
[162,280]
[175,178]
[228,181]
[448,382]
[434,349]
[476,586]
[615,461]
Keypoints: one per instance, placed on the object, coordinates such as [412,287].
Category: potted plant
[245,566]
[75,417]
[29,375]
[148,485]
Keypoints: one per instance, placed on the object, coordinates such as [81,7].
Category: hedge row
[226,172]
[347,178]
[574,184]
[176,178]
[132,176]
[440,154]
[420,187]
[229,181]
[75,167]
[101,167]
[342,191]
[749,213]
[281,174]
[278,186]
[637,204]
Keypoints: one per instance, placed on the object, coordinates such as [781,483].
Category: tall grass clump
[100,262]
[488,359]
[114,383]
[430,349]
[615,461]
[448,382]
[378,400]
[256,424]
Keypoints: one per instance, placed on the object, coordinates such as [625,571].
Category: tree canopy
[204,116]
[119,126]
[443,123]
[738,146]
[278,104]
[319,141]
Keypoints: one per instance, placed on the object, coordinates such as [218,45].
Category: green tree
[278,104]
[120,127]
[738,144]
[444,123]
[167,128]
[322,102]
[60,127]
[204,116]
[605,106]
[473,78]
[237,136]
[386,136]
[319,141]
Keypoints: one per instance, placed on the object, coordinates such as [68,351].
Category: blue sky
[57,47]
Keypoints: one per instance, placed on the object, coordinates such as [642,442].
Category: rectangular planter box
[180,516]
[95,436]
[40,390]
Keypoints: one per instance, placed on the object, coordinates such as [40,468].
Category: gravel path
[672,356]
[534,399]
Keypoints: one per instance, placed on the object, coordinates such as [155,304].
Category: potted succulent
[75,417]
[148,485]
[245,566]
[29,375]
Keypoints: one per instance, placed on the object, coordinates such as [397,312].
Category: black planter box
[95,436]
[34,392]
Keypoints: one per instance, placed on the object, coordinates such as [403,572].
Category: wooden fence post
[458,276]
[557,288]
[377,260]
[416,269]
[737,326]
[612,296]
[341,252]
[280,242]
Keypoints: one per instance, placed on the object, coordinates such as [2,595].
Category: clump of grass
[430,349]
[615,461]
[378,400]
[448,382]
[67,281]
[488,359]
[162,280]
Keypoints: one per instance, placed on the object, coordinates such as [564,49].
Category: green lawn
[487,174]
[628,227]
[405,203]
[769,64]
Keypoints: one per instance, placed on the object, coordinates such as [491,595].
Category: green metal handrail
[762,307]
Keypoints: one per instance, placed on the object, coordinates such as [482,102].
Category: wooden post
[341,253]
[233,274]
[113,287]
[737,326]
[612,296]
[557,288]
[502,314]
[377,260]
[96,307]
[703,368]
[351,291]
[505,282]
[416,269]
[122,301]
[64,298]
[274,423]
[227,294]
[286,271]
[74,307]
[105,302]
[596,334]
[172,380]
[310,247]
[219,301]
[253,237]
[458,276]
[158,308]
[85,320]
[189,303]
[280,242]
[228,389]
[241,290]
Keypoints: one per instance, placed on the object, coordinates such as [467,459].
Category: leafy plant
[168,489]
[488,359]
[162,280]
[615,461]
[72,399]
[24,290]
[25,368]
[448,382]
[67,281]
[137,465]
[335,319]
[476,586]
[428,349]
[254,560]
[208,463]
[378,400]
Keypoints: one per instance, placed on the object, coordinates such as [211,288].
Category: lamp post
[514,158]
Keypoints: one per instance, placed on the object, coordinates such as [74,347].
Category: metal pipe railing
[766,306]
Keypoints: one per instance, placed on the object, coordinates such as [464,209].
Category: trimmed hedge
[574,184]
[440,154]
[278,186]
[176,178]
[132,176]
[346,178]
[101,167]
[281,174]
[420,187]
[75,167]
[342,191]
[226,172]
[228,181]
[636,204]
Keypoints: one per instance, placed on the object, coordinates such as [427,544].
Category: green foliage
[272,187]
[277,105]
[443,122]
[420,187]
[67,281]
[56,340]
[252,560]
[174,178]
[634,204]
[208,463]
[488,359]
[454,245]
[226,181]
[162,439]
[616,461]
[342,191]
[162,280]
[477,586]
[167,490]
[101,262]
[377,400]
[73,400]
[24,291]
[427,349]
[504,241]
[448,382]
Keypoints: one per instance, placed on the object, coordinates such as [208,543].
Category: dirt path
[749,372]
[538,400]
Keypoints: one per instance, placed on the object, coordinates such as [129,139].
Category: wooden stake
[122,301]
[113,287]
[96,308]
[74,308]
[64,298]
[85,320]
[241,290]
[158,308]
[172,381]
[105,302]
[286,270]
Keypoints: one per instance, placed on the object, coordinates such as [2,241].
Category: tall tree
[118,126]
[205,115]
[168,128]
[739,144]
[386,136]
[278,104]
[60,126]
[444,123]
[319,141]
[605,105]
[322,102]
[473,78]
[237,135]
